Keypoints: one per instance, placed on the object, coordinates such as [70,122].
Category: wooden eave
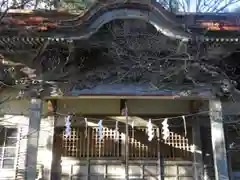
[34,27]
[51,24]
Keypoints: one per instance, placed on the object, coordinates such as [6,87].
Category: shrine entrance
[83,154]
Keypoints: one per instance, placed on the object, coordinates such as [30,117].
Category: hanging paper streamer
[165,130]
[86,127]
[150,130]
[132,124]
[100,135]
[100,130]
[116,133]
[185,126]
[68,126]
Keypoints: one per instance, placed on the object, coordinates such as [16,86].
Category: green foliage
[75,5]
[66,5]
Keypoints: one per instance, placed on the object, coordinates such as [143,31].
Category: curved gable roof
[98,15]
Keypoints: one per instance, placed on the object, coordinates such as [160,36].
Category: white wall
[16,113]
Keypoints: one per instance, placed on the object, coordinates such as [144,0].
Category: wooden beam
[127,97]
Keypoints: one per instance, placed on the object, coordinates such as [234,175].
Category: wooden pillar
[197,150]
[52,105]
[126,145]
[160,163]
[229,157]
[35,112]
[218,140]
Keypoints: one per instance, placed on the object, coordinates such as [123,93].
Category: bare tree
[6,5]
[204,6]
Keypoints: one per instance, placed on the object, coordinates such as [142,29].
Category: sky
[193,3]
[230,8]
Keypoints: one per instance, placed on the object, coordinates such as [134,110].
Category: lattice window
[177,146]
[108,146]
[8,147]
[77,145]
[139,146]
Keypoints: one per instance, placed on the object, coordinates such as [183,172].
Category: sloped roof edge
[162,25]
[102,13]
[150,11]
